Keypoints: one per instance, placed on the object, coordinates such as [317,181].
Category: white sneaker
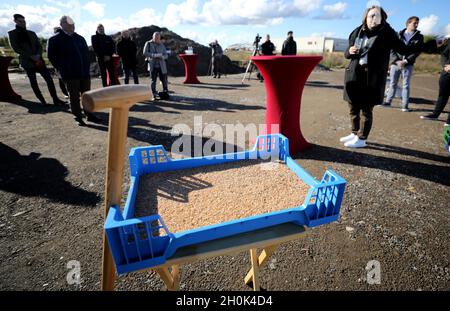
[347,138]
[405,109]
[356,143]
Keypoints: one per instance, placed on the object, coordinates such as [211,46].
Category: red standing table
[6,91]
[116,62]
[284,80]
[190,68]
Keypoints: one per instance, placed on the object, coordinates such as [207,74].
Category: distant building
[321,45]
[316,45]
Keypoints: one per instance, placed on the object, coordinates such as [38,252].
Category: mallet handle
[119,99]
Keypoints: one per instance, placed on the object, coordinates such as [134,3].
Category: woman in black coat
[365,78]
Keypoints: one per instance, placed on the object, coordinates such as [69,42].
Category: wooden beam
[265,254]
[166,276]
[176,277]
[255,269]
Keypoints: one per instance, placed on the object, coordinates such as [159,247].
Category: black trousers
[76,88]
[62,86]
[128,71]
[361,105]
[31,73]
[162,77]
[361,118]
[106,66]
[444,94]
[216,65]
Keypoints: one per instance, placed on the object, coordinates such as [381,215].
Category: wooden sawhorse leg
[170,278]
[257,262]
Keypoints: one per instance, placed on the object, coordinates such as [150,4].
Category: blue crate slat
[145,242]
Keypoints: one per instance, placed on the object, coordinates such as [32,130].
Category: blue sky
[229,21]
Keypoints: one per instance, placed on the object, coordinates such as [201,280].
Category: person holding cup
[156,54]
[369,50]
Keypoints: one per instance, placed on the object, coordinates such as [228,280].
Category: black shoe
[430,116]
[386,105]
[94,119]
[214,77]
[80,121]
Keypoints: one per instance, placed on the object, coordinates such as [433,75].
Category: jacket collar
[402,33]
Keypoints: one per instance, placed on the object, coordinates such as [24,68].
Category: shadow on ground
[324,85]
[432,172]
[37,108]
[191,103]
[186,145]
[33,176]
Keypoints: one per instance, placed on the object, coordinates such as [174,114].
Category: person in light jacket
[156,55]
[403,64]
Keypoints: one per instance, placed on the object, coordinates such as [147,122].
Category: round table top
[287,57]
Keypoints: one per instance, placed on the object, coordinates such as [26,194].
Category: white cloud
[95,9]
[428,24]
[144,17]
[307,6]
[446,30]
[40,19]
[334,11]
[237,12]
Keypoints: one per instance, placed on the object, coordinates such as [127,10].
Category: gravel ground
[395,208]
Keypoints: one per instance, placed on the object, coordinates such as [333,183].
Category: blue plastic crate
[145,242]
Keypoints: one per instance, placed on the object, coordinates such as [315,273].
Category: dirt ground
[396,207]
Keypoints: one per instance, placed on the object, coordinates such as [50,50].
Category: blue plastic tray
[145,242]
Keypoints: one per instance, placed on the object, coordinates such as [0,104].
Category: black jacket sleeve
[445,57]
[53,53]
[351,42]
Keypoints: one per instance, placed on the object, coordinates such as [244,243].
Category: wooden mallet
[119,99]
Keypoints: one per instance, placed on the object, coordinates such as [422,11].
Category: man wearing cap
[69,54]
[25,43]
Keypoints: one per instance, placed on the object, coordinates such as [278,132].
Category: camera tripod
[250,65]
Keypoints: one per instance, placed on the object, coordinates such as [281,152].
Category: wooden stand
[266,239]
[119,99]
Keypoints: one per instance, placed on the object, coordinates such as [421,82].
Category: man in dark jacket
[289,45]
[104,48]
[267,48]
[69,54]
[127,51]
[25,43]
[403,64]
[444,88]
[216,55]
